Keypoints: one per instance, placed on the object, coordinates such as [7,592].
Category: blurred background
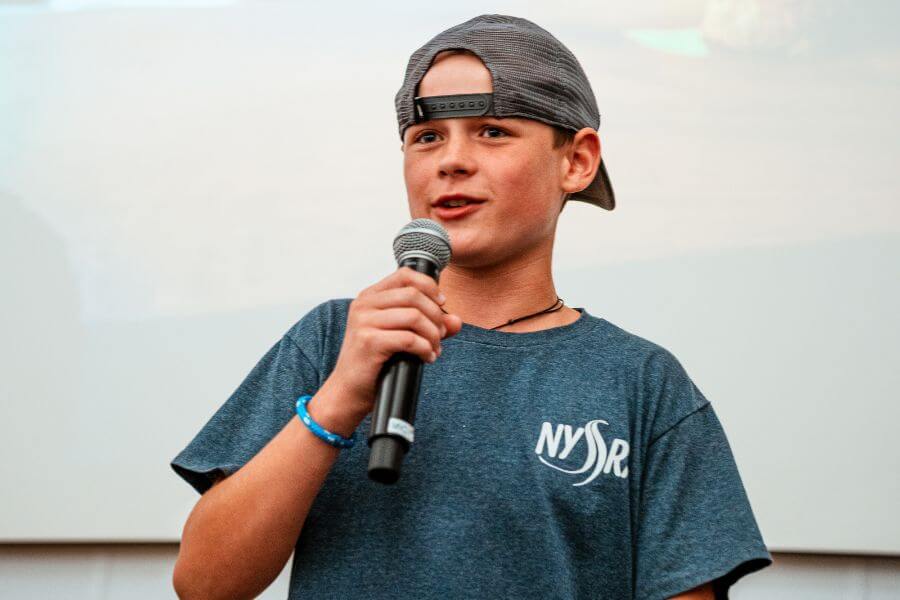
[181,181]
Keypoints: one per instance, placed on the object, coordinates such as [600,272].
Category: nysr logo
[599,458]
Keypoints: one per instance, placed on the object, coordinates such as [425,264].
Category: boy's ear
[584,155]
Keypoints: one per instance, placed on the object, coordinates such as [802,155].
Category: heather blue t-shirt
[579,461]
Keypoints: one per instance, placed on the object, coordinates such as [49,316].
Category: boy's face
[510,163]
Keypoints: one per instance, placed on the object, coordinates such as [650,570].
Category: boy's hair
[561,135]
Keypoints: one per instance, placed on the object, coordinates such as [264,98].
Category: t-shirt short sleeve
[696,523]
[257,410]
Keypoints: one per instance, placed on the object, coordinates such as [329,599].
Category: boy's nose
[456,158]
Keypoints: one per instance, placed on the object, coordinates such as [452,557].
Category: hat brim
[599,192]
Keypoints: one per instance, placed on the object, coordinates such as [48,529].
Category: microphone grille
[423,238]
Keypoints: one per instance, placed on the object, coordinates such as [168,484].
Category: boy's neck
[487,297]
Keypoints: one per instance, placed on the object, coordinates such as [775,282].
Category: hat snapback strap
[454,105]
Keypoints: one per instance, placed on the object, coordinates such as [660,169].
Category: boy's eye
[422,135]
[489,128]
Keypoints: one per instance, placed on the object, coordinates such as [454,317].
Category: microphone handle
[397,393]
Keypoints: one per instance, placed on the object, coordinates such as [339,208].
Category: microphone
[424,246]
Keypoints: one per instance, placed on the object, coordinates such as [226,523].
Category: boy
[562,457]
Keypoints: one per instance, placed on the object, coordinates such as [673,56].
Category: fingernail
[433,357]
[441,298]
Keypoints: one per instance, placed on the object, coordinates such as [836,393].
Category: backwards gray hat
[534,76]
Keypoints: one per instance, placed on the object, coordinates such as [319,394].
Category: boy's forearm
[242,531]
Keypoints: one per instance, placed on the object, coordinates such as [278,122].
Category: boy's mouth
[449,212]
[455,200]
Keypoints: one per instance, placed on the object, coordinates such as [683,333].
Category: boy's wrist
[334,411]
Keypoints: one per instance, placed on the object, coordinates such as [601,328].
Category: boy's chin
[471,254]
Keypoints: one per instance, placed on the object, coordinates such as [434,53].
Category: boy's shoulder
[665,390]
[319,332]
[322,318]
[629,349]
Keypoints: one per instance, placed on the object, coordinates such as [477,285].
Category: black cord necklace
[549,309]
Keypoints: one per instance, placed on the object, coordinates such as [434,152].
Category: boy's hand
[400,313]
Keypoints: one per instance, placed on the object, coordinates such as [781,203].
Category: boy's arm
[243,529]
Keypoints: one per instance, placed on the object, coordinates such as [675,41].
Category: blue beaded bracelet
[334,439]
